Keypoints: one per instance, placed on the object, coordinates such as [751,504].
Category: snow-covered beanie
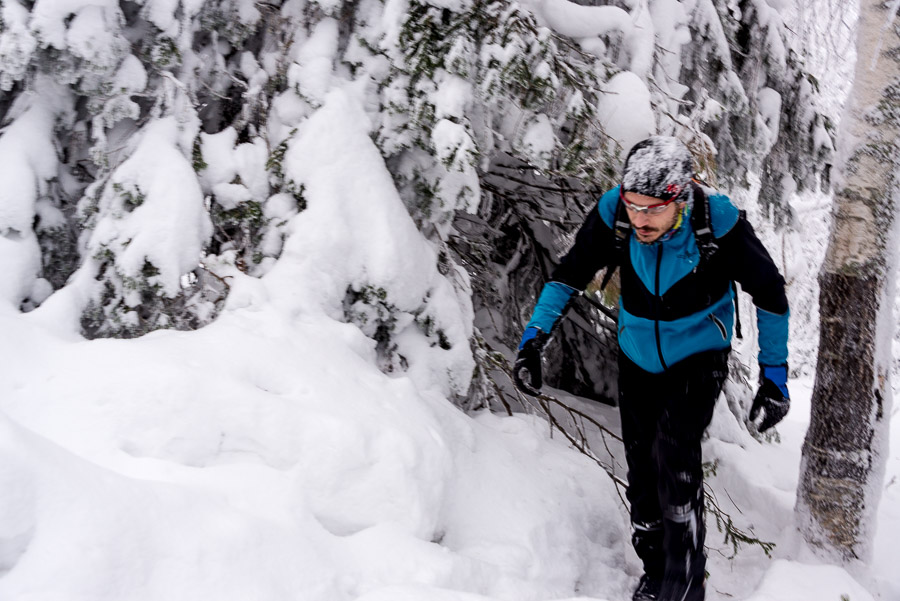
[660,166]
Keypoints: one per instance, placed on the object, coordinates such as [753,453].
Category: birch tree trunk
[846,445]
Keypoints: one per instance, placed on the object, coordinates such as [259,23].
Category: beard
[649,234]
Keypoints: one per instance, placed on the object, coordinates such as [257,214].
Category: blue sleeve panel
[722,213]
[607,206]
[527,335]
[773,337]
[553,300]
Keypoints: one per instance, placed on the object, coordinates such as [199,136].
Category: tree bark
[846,445]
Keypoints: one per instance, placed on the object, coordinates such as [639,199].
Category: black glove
[772,396]
[527,369]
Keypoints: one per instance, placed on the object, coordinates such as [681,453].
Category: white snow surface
[580,22]
[27,162]
[357,233]
[624,110]
[169,225]
[312,71]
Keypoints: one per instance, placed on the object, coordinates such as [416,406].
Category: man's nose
[639,219]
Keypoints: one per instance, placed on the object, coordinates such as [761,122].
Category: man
[679,250]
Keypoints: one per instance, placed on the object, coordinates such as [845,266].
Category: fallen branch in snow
[581,442]
[223,280]
[510,196]
[733,535]
[577,419]
[610,313]
[532,184]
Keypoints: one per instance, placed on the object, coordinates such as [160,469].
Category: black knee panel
[648,544]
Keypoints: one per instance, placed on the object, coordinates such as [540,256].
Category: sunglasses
[673,189]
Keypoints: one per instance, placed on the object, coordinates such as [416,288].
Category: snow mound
[800,582]
[266,456]
[625,110]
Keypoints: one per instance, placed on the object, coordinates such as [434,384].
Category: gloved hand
[772,396]
[527,369]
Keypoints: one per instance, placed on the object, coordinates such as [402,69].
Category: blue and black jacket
[672,305]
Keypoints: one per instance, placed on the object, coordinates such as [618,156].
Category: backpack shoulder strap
[700,223]
[706,243]
[622,228]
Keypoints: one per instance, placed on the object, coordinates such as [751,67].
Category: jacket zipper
[719,325]
[658,305]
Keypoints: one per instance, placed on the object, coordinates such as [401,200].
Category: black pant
[663,419]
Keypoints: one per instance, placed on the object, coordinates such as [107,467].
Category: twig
[531,184]
[543,403]
[733,535]
[222,279]
[581,443]
[613,315]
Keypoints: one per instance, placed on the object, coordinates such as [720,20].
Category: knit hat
[660,166]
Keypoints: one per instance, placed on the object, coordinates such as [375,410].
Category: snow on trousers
[663,419]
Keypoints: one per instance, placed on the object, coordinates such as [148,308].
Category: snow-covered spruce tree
[124,189]
[156,149]
[845,450]
[500,121]
[528,122]
[750,91]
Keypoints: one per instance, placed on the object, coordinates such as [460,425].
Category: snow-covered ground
[267,457]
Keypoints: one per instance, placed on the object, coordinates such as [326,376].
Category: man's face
[648,227]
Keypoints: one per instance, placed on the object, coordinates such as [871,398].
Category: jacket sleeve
[593,249]
[752,267]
